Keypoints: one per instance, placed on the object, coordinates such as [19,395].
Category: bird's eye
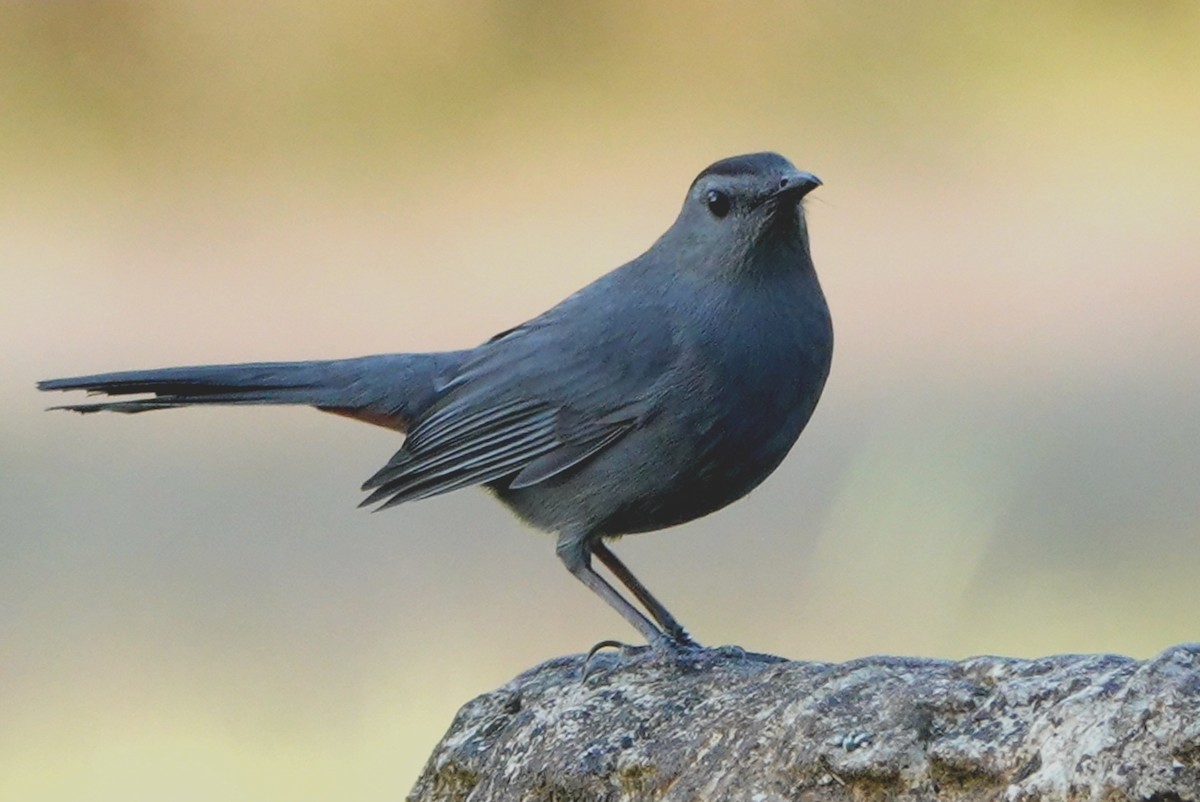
[717,203]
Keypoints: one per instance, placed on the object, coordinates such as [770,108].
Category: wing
[537,400]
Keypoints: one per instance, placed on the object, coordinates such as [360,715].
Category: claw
[623,650]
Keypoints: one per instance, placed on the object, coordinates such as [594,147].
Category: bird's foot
[678,639]
[625,651]
[676,649]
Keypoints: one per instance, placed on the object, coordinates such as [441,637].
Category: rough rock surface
[720,724]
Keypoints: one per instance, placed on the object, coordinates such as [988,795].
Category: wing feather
[565,457]
[418,486]
[535,401]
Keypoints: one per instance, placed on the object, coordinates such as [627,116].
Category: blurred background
[1006,459]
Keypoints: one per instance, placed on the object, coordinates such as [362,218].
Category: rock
[721,724]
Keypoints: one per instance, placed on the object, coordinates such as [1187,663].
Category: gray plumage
[659,393]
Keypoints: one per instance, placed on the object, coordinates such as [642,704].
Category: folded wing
[534,402]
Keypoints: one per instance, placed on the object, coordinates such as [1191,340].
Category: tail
[388,389]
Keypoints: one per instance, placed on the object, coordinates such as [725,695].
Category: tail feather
[388,389]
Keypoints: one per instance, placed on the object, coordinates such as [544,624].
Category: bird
[663,391]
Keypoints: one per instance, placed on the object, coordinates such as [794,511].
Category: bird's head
[744,213]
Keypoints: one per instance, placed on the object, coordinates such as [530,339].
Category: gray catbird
[659,393]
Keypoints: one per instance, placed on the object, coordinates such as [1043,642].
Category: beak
[796,185]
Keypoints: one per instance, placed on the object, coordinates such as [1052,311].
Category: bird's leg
[573,551]
[673,629]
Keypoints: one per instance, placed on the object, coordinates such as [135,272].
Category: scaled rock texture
[719,724]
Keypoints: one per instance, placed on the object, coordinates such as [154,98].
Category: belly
[709,444]
[733,405]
